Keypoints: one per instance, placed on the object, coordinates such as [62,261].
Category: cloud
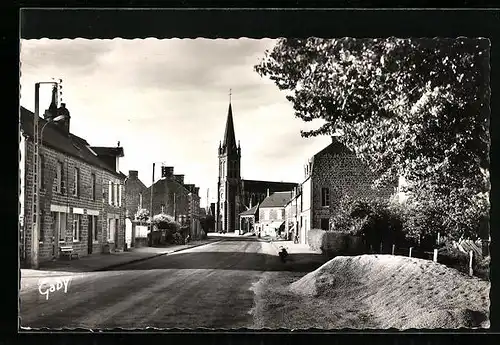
[167,100]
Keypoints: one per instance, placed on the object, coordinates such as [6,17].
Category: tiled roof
[278,199]
[108,151]
[250,212]
[70,144]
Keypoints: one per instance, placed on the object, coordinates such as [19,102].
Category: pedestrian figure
[296,239]
[187,239]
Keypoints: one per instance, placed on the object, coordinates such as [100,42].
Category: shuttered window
[120,195]
[110,193]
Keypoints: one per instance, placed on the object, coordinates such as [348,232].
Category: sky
[167,101]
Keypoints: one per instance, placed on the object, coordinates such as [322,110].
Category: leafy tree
[142,215]
[166,222]
[417,108]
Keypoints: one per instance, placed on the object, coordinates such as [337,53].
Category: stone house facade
[81,195]
[332,174]
[134,189]
[272,213]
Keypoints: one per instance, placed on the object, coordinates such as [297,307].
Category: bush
[177,238]
[315,238]
[454,258]
[165,222]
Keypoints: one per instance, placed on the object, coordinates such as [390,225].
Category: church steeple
[229,143]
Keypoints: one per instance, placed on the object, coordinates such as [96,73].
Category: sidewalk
[102,262]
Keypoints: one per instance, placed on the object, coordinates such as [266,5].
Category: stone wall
[83,203]
[133,189]
[344,175]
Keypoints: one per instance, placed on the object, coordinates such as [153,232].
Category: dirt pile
[399,292]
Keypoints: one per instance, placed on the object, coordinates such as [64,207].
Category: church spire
[229,143]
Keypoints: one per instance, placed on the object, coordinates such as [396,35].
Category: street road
[204,287]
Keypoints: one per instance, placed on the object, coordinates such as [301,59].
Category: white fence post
[393,249]
[435,259]
[410,252]
[471,254]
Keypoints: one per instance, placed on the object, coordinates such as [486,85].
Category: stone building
[171,196]
[234,193]
[272,214]
[81,190]
[134,189]
[331,174]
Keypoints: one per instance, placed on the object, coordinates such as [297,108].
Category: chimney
[179,178]
[64,124]
[133,174]
[268,192]
[167,172]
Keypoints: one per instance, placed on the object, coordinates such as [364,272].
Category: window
[41,231]
[111,192]
[59,178]
[92,186]
[59,226]
[111,229]
[119,203]
[77,223]
[42,171]
[325,197]
[76,182]
[92,223]
[325,222]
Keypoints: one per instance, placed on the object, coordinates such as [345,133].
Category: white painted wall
[128,232]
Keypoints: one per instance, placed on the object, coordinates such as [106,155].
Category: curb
[149,257]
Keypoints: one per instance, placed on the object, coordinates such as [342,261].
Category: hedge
[334,243]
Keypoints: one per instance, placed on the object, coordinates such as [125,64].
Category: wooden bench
[68,251]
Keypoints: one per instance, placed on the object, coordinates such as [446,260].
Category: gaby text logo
[49,286]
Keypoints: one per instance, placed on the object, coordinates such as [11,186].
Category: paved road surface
[203,287]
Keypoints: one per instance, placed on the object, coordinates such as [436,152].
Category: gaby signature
[46,287]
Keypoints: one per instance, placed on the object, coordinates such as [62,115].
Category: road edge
[151,257]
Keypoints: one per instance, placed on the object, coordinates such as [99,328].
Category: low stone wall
[333,243]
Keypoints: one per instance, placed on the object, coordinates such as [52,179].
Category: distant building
[81,190]
[171,196]
[235,194]
[134,189]
[331,174]
[272,214]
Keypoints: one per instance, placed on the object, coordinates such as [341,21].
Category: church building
[236,195]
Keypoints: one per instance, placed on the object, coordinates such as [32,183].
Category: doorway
[90,235]
[59,231]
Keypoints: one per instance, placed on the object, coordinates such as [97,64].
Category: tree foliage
[417,108]
[142,215]
[166,222]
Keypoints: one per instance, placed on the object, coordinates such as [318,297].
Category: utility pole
[151,208]
[175,209]
[208,201]
[35,219]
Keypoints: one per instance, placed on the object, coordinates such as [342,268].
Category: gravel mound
[400,292]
